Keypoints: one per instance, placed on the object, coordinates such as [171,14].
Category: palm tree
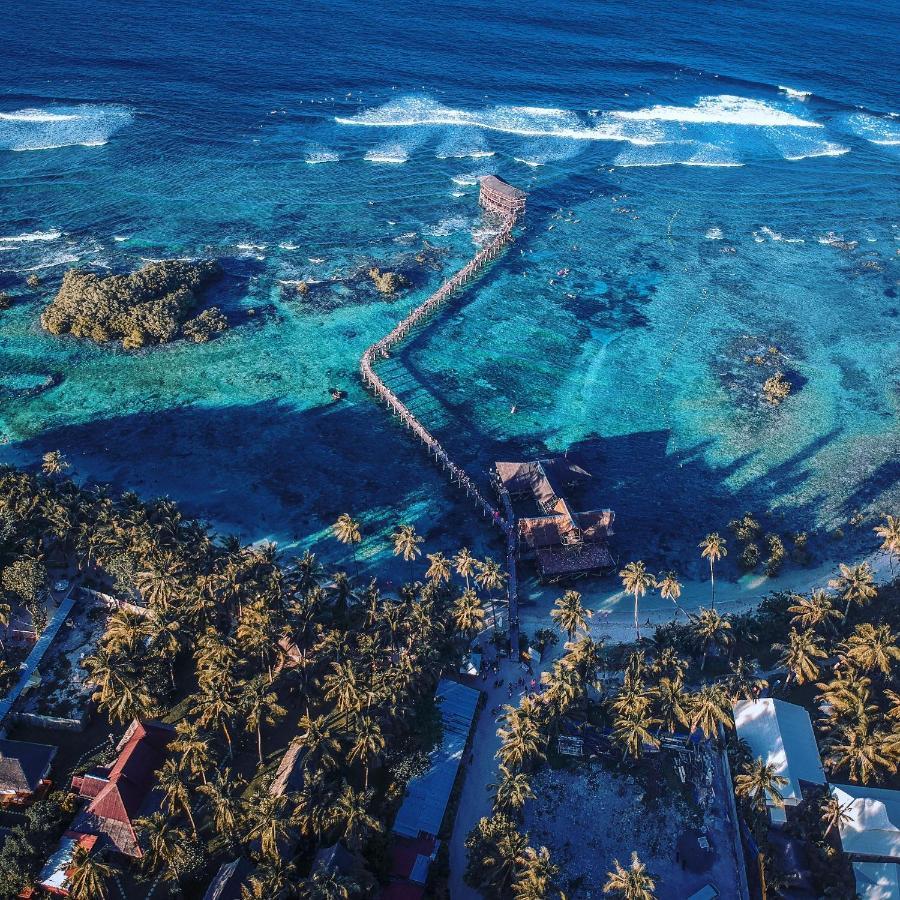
[465,565]
[192,747]
[165,845]
[535,875]
[175,791]
[468,613]
[637,581]
[633,883]
[834,813]
[708,708]
[347,531]
[512,791]
[438,568]
[490,577]
[866,753]
[856,584]
[671,703]
[812,611]
[274,879]
[713,548]
[350,814]
[570,615]
[799,655]
[521,739]
[260,706]
[710,630]
[320,742]
[270,821]
[88,876]
[889,533]
[368,744]
[502,864]
[669,589]
[406,542]
[872,647]
[632,731]
[743,682]
[215,707]
[760,784]
[224,794]
[54,464]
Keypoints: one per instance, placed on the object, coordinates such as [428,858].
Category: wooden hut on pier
[562,542]
[498,196]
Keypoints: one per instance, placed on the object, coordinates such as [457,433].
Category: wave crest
[87,125]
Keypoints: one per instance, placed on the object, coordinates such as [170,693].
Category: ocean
[711,187]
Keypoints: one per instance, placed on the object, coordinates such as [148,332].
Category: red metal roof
[132,776]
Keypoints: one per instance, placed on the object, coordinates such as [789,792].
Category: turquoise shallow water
[700,215]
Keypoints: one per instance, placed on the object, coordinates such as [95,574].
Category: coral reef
[149,306]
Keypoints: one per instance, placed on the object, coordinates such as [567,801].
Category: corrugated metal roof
[37,654]
[427,796]
[781,734]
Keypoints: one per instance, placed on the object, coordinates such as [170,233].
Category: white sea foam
[31,236]
[714,234]
[684,153]
[793,93]
[772,235]
[286,245]
[36,115]
[881,130]
[119,238]
[250,247]
[465,180]
[723,109]
[392,154]
[448,226]
[86,125]
[531,163]
[322,156]
[828,149]
[527,121]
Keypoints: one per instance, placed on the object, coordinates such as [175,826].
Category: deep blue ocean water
[706,181]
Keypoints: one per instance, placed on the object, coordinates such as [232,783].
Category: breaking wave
[86,125]
[321,156]
[724,109]
[30,237]
[883,131]
[393,153]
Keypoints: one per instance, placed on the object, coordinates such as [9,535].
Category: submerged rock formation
[150,306]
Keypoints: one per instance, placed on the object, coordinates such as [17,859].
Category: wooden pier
[503,200]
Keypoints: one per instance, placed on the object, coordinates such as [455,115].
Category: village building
[872,829]
[497,195]
[230,880]
[24,770]
[781,734]
[54,876]
[563,542]
[418,821]
[877,880]
[121,793]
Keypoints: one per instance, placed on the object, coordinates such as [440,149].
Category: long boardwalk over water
[509,203]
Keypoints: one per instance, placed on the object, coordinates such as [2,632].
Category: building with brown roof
[562,542]
[124,791]
[24,769]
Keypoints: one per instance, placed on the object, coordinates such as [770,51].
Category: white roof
[877,881]
[782,735]
[873,828]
